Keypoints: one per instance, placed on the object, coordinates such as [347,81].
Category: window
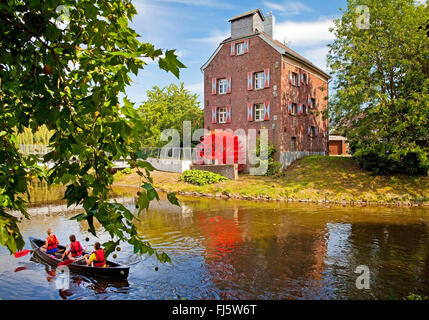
[239,48]
[305,78]
[259,80]
[294,79]
[222,115]
[313,131]
[223,85]
[294,108]
[313,103]
[304,109]
[292,144]
[259,112]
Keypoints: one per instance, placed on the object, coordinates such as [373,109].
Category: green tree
[69,79]
[167,108]
[381,81]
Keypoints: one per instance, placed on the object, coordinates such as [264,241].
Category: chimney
[269,25]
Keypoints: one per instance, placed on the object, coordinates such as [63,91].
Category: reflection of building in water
[256,254]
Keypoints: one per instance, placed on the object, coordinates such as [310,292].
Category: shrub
[274,168]
[201,177]
[378,161]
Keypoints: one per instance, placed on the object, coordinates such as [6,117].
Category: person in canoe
[75,250]
[51,243]
[97,257]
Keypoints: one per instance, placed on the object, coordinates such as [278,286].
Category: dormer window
[239,48]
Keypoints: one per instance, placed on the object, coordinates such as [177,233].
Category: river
[224,249]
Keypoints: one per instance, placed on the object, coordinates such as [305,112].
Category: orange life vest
[99,258]
[76,249]
[52,244]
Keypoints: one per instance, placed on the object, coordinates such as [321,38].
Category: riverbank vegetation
[380,70]
[69,77]
[317,178]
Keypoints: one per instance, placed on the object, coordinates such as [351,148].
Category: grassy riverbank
[333,179]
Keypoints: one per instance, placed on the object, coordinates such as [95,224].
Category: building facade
[253,81]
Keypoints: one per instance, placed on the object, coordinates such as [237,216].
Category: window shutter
[267,78]
[306,109]
[316,103]
[249,81]
[267,110]
[249,112]
[299,79]
[213,114]
[309,131]
[246,46]
[300,109]
[316,131]
[232,48]
[306,79]
[309,100]
[290,77]
[289,107]
[228,114]
[228,87]
[214,86]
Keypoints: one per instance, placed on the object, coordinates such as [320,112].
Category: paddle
[22,253]
[69,262]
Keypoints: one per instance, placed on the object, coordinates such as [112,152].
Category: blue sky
[195,28]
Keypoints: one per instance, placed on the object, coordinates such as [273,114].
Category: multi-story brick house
[253,81]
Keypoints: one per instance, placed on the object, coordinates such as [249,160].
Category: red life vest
[52,243]
[76,249]
[99,258]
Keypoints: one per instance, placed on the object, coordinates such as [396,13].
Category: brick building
[253,81]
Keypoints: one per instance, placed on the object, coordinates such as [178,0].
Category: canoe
[113,270]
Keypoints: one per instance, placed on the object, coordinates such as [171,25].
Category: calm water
[243,250]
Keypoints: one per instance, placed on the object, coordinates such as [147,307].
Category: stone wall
[170,165]
[229,171]
[287,157]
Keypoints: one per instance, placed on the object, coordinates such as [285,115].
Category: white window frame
[239,48]
[259,76]
[259,110]
[222,114]
[223,86]
[294,79]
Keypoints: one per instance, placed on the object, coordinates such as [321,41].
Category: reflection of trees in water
[41,192]
[397,257]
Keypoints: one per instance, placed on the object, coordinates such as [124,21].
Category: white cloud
[317,56]
[290,8]
[305,33]
[214,39]
[197,88]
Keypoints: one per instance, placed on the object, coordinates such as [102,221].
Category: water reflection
[244,250]
[72,285]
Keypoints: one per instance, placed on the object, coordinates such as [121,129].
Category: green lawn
[314,178]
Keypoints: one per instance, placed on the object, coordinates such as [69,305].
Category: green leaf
[173,199]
